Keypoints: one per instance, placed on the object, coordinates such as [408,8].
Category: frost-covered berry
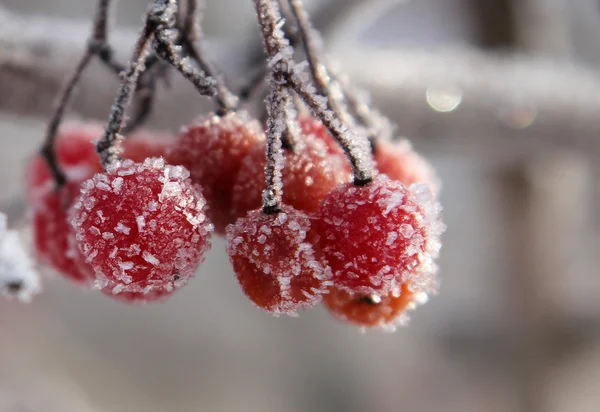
[18,278]
[400,162]
[274,261]
[372,311]
[141,226]
[52,234]
[145,144]
[310,174]
[310,126]
[212,148]
[75,153]
[77,157]
[380,236]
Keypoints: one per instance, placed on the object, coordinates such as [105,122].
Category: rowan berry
[141,226]
[274,261]
[213,148]
[380,236]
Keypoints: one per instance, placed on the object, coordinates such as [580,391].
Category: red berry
[308,176]
[51,233]
[311,126]
[76,155]
[380,236]
[142,227]
[144,144]
[213,148]
[400,162]
[276,266]
[372,311]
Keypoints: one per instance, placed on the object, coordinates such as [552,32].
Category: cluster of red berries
[139,229]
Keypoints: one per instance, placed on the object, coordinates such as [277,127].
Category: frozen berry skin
[141,226]
[274,262]
[400,162]
[76,155]
[51,234]
[212,149]
[380,236]
[310,126]
[310,173]
[144,144]
[373,311]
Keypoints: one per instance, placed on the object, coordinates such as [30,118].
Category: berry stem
[107,147]
[97,45]
[277,105]
[191,37]
[343,99]
[48,148]
[309,39]
[280,56]
[167,50]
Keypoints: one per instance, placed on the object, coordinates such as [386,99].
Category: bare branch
[562,99]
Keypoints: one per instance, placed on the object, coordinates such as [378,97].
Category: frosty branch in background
[493,89]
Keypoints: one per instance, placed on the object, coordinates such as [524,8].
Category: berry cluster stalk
[97,46]
[280,58]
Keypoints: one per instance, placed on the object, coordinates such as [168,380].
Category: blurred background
[502,95]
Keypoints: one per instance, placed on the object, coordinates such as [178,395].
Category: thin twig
[106,147]
[167,50]
[97,45]
[48,150]
[191,38]
[280,54]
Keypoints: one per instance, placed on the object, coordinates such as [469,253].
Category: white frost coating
[121,228]
[18,278]
[141,222]
[150,258]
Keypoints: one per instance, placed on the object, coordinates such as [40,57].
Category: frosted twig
[277,105]
[280,57]
[167,50]
[107,147]
[191,39]
[97,45]
[18,278]
[341,97]
[309,39]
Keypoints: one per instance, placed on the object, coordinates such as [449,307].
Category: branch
[498,93]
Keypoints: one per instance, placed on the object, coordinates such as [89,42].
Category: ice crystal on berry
[213,148]
[160,255]
[18,277]
[380,236]
[274,261]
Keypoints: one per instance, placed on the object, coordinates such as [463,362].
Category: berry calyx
[310,174]
[141,226]
[275,263]
[400,162]
[212,148]
[373,311]
[380,236]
